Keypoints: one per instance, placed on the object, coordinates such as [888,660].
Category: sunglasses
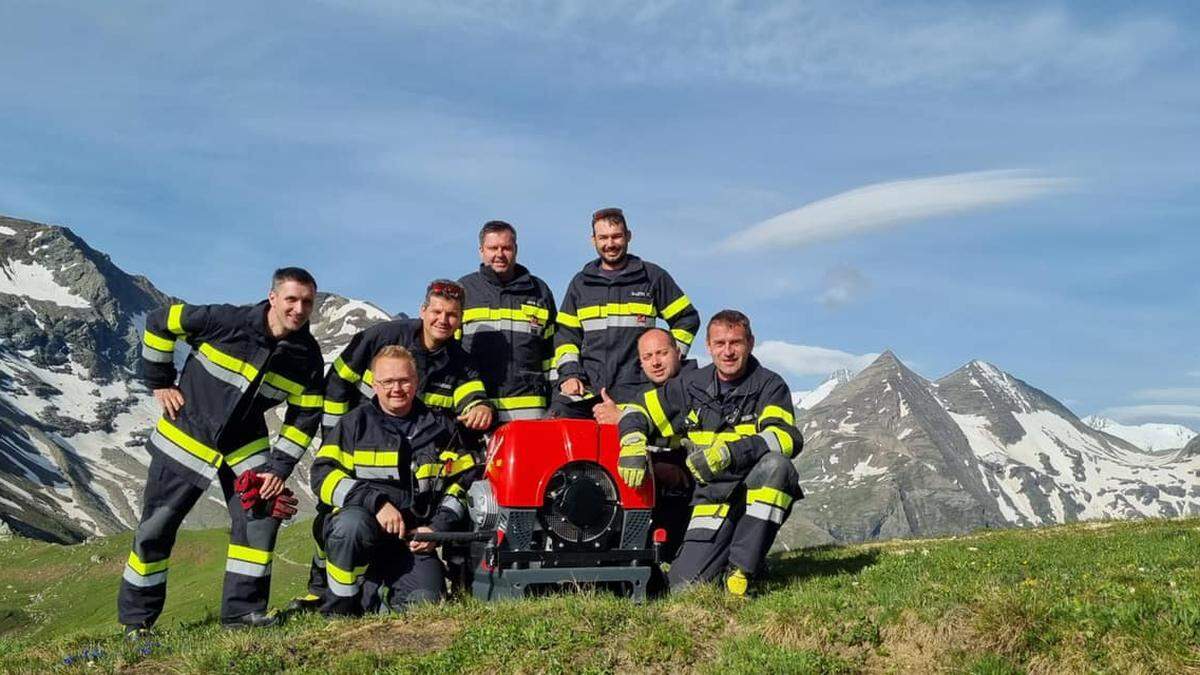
[446,290]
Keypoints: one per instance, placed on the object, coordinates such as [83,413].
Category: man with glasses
[508,326]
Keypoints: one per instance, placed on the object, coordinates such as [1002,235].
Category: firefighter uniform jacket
[754,417]
[602,317]
[235,373]
[449,380]
[371,458]
[509,330]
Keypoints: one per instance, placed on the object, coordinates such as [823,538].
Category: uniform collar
[633,267]
[521,276]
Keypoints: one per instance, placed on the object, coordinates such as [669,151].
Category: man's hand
[634,461]
[391,520]
[606,411]
[572,386]
[171,400]
[422,546]
[478,418]
[706,463]
[272,485]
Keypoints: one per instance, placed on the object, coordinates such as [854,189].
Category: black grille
[581,504]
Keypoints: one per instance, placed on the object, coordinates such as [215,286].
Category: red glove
[284,505]
[247,486]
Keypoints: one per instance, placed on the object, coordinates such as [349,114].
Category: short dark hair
[612,214]
[730,317]
[445,289]
[297,274]
[494,226]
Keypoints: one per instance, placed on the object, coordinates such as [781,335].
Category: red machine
[560,514]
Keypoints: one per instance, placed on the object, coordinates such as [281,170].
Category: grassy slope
[1103,597]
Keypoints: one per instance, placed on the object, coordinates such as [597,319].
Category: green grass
[1106,597]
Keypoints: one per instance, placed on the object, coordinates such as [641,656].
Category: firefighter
[508,326]
[661,361]
[739,417]
[449,385]
[367,476]
[244,361]
[607,306]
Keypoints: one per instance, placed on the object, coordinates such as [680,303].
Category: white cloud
[1175,394]
[843,285]
[883,205]
[805,360]
[1156,412]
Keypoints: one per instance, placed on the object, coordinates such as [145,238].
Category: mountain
[1150,437]
[73,416]
[803,400]
[891,453]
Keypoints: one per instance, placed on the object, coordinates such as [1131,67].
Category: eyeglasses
[389,384]
[445,289]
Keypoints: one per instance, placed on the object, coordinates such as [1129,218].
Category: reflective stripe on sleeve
[175,319]
[681,303]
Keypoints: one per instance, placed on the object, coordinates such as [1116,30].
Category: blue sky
[1015,182]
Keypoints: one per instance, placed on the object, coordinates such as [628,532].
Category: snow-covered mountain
[73,416]
[805,399]
[1151,437]
[891,453]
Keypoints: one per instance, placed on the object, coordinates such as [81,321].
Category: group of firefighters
[405,409]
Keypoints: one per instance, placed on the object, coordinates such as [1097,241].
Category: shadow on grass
[811,563]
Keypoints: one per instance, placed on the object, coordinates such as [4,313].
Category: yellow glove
[706,463]
[634,460]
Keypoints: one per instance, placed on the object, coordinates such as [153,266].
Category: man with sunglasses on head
[608,304]
[508,326]
[449,385]
[738,416]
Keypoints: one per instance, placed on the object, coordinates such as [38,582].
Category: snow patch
[7,230]
[36,282]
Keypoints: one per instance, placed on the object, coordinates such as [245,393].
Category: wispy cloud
[1155,412]
[843,285]
[1173,394]
[806,360]
[883,205]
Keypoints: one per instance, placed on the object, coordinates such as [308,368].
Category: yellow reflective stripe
[330,484]
[615,309]
[768,495]
[246,451]
[775,411]
[146,569]
[654,407]
[466,389]
[458,334]
[514,402]
[342,576]
[704,510]
[306,400]
[252,555]
[746,429]
[344,371]
[549,332]
[708,437]
[438,400]
[683,336]
[175,319]
[682,303]
[569,320]
[495,313]
[334,452]
[693,417]
[540,312]
[547,365]
[387,458]
[155,342]
[295,435]
[280,382]
[176,436]
[460,464]
[228,362]
[368,377]
[336,407]
[456,490]
[428,470]
[786,444]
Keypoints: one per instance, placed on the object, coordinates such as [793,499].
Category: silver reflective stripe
[683,348]
[343,488]
[521,414]
[501,325]
[365,389]
[248,569]
[289,447]
[251,462]
[227,376]
[425,484]
[569,357]
[151,354]
[156,579]
[765,512]
[319,561]
[330,419]
[630,321]
[265,389]
[453,503]
[631,411]
[705,523]
[377,472]
[772,440]
[168,448]
[342,590]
